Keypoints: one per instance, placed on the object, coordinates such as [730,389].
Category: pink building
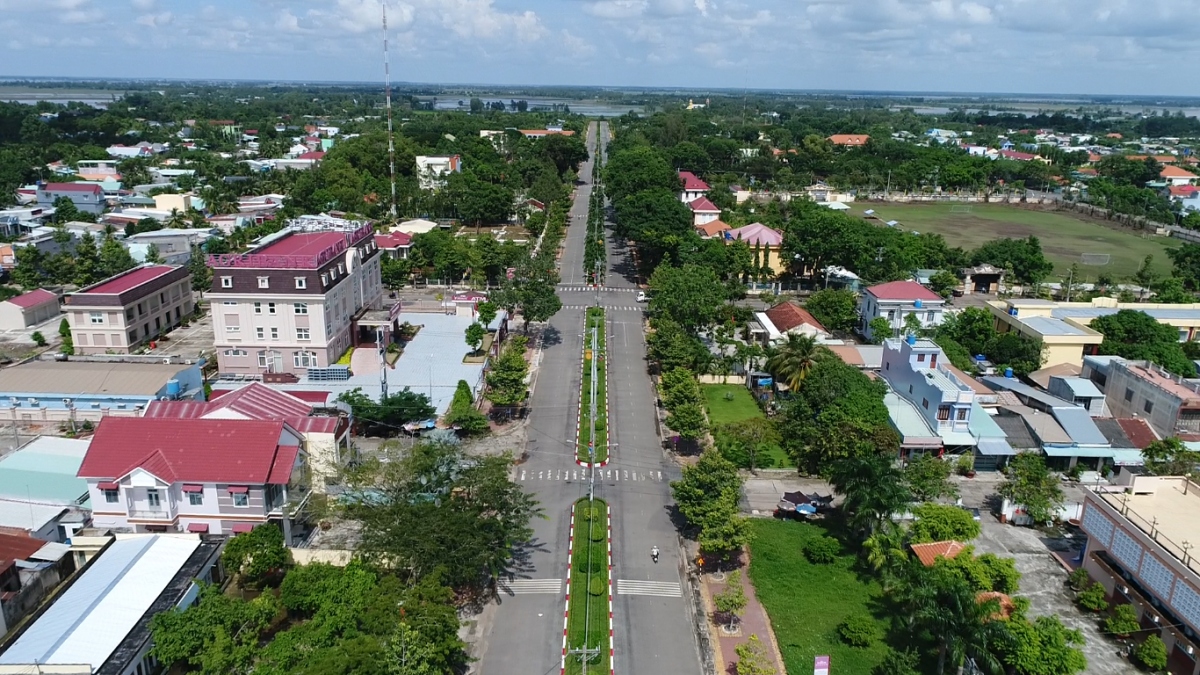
[130,309]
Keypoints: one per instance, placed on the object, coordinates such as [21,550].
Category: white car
[641,297]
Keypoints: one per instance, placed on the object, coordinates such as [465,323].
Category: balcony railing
[1180,551]
[150,514]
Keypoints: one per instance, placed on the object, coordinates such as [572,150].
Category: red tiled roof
[1020,156]
[302,243]
[37,296]
[1182,190]
[72,187]
[849,139]
[755,234]
[1138,432]
[691,181]
[316,154]
[712,229]
[258,401]
[192,450]
[314,397]
[18,547]
[702,204]
[393,240]
[929,553]
[1175,172]
[787,315]
[128,280]
[902,290]
[281,468]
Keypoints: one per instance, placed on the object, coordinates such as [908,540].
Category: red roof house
[849,140]
[28,309]
[703,205]
[692,182]
[929,553]
[903,290]
[788,316]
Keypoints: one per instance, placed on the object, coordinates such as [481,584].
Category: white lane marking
[662,589]
[529,586]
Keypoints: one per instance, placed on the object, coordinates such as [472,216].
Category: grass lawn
[806,602]
[589,611]
[1064,234]
[595,318]
[727,403]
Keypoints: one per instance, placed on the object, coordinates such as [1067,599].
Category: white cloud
[144,5]
[155,20]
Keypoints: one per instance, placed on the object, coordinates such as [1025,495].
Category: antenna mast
[387,87]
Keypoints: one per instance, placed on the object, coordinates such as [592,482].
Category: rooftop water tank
[911,339]
[174,389]
[1008,373]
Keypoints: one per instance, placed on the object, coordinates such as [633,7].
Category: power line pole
[387,87]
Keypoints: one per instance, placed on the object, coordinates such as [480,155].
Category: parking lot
[188,342]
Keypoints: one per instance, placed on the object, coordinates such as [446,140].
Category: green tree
[672,347]
[1123,622]
[939,522]
[257,555]
[1152,653]
[394,272]
[873,490]
[475,334]
[30,270]
[636,170]
[38,338]
[962,626]
[153,256]
[486,313]
[435,511]
[984,573]
[1092,598]
[87,260]
[741,441]
[886,551]
[201,272]
[899,663]
[1138,336]
[688,295]
[973,328]
[943,283]
[506,378]
[679,387]
[1030,484]
[218,635]
[732,601]
[1023,256]
[1042,647]
[791,361]
[462,414]
[928,478]
[114,258]
[836,309]
[387,418]
[708,487]
[1170,457]
[753,658]
[880,329]
[1012,350]
[688,421]
[410,653]
[65,210]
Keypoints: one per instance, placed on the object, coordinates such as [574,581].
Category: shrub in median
[858,630]
[596,586]
[583,565]
[822,550]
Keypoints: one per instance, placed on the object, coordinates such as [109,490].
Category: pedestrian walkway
[603,289]
[624,308]
[662,589]
[528,586]
[754,621]
[609,473]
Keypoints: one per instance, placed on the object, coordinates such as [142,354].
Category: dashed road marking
[530,586]
[662,589]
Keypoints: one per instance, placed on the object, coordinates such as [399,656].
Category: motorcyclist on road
[654,553]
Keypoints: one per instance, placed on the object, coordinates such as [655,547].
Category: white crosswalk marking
[663,589]
[632,308]
[529,586]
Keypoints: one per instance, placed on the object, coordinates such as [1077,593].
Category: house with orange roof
[929,553]
[849,140]
[711,229]
[704,211]
[1174,175]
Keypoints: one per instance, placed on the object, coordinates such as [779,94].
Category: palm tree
[176,220]
[791,361]
[873,490]
[947,609]
[886,553]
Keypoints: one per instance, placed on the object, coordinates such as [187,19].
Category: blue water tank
[1008,373]
[918,304]
[980,357]
[174,389]
[912,339]
[1012,311]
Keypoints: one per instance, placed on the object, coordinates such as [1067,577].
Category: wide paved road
[652,625]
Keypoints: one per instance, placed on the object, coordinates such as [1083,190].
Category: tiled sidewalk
[754,622]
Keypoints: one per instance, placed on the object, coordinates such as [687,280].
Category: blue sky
[1044,46]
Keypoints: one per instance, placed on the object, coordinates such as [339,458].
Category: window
[925,403]
[262,359]
[305,359]
[341,268]
[1148,406]
[153,499]
[236,352]
[929,317]
[258,308]
[961,415]
[196,498]
[111,496]
[920,358]
[264,282]
[891,315]
[910,388]
[303,334]
[324,279]
[226,282]
[301,282]
[943,412]
[260,332]
[270,308]
[241,499]
[233,329]
[300,308]
[1128,395]
[230,303]
[96,317]
[274,333]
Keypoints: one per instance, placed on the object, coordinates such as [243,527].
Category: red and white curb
[567,604]
[579,412]
[612,661]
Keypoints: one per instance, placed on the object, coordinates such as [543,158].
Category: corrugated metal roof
[87,377]
[1015,431]
[1047,325]
[91,618]
[1078,423]
[994,446]
[1021,389]
[1045,429]
[1083,387]
[43,471]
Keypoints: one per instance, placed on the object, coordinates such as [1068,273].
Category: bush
[822,550]
[38,338]
[1124,621]
[1152,653]
[858,630]
[899,663]
[964,465]
[583,565]
[1078,579]
[597,586]
[1092,598]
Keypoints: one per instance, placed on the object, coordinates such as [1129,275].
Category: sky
[1113,47]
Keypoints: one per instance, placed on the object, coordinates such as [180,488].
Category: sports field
[1064,235]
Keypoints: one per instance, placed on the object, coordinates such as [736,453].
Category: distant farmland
[1064,235]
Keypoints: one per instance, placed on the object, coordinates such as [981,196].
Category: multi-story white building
[293,302]
[895,301]
[433,169]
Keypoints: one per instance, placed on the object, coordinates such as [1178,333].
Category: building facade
[1137,548]
[896,301]
[288,305]
[123,312]
[87,197]
[433,169]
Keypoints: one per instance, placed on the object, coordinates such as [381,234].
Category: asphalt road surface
[652,627]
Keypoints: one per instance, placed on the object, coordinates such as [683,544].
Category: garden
[587,613]
[593,432]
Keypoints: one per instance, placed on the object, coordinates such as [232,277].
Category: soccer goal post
[1095,259]
[960,208]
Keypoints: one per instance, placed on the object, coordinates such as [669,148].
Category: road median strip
[592,446]
[588,616]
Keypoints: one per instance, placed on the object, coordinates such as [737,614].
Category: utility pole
[387,86]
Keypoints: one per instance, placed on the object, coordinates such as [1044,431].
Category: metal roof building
[100,624]
[43,472]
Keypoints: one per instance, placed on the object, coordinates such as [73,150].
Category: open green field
[1064,234]
[806,602]
[587,621]
[727,403]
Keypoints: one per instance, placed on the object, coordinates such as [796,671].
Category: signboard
[765,381]
[821,665]
[510,273]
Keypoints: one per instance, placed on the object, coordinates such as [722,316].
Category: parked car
[641,296]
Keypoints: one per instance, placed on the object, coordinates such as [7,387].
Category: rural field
[1064,235]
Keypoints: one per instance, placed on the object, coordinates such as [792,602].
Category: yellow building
[1064,327]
